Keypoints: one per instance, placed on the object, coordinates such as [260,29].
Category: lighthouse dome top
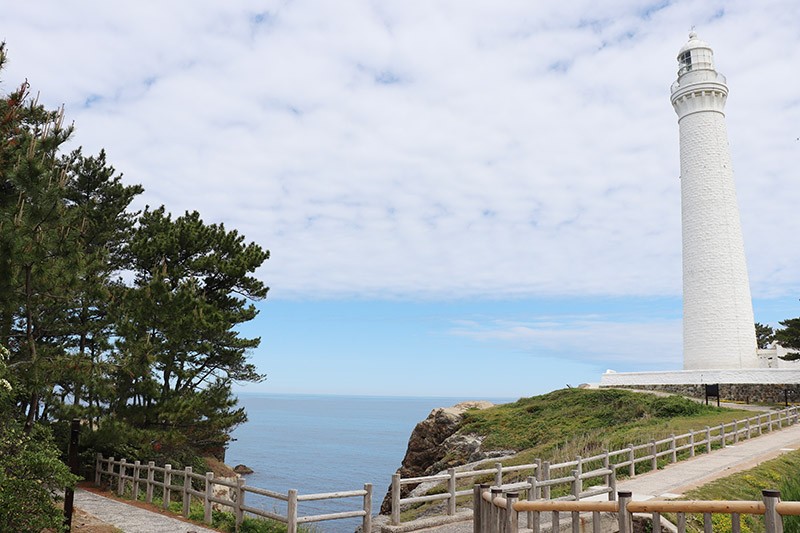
[695,55]
[694,42]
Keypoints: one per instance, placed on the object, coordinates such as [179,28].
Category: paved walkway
[132,519]
[680,477]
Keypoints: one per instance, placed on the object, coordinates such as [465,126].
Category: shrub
[31,473]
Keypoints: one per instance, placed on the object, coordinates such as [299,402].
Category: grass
[569,422]
[779,473]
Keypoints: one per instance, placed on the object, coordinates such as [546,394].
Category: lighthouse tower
[718,330]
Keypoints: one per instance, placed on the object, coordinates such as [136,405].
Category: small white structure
[718,325]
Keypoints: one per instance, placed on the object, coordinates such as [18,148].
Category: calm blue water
[326,444]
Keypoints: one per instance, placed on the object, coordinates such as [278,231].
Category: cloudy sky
[460,198]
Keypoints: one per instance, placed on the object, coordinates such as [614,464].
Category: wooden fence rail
[597,472]
[495,513]
[123,476]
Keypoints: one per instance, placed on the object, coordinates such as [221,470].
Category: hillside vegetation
[569,422]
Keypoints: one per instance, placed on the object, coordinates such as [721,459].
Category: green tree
[764,335]
[31,472]
[178,345]
[37,247]
[98,204]
[789,337]
[158,353]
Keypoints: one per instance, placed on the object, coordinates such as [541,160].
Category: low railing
[146,478]
[494,513]
[570,477]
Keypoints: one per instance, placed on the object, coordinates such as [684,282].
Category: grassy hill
[569,422]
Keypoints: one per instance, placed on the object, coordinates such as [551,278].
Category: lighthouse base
[752,385]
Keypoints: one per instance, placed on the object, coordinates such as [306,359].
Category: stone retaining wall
[737,392]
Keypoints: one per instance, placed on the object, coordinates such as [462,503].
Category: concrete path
[680,477]
[132,519]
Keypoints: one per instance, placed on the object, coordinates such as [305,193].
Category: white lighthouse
[718,329]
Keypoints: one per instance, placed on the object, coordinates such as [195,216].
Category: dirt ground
[85,523]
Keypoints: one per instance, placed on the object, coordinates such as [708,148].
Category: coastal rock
[434,445]
[222,472]
[242,469]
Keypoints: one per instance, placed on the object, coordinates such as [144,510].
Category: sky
[476,199]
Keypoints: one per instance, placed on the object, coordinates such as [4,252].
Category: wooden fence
[494,513]
[566,481]
[184,486]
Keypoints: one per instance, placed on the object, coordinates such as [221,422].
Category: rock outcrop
[242,470]
[435,445]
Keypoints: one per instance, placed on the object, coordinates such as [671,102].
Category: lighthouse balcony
[698,77]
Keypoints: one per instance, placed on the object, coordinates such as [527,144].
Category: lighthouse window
[685,61]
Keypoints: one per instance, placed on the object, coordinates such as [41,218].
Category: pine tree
[789,337]
[178,343]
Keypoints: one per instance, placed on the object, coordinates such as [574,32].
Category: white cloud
[587,338]
[429,148]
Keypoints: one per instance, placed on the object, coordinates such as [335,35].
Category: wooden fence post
[533,494]
[576,484]
[485,514]
[722,437]
[773,523]
[150,481]
[735,431]
[760,427]
[708,439]
[769,420]
[511,521]
[494,512]
[780,419]
[546,477]
[672,447]
[632,461]
[747,427]
[498,475]
[396,499]
[654,458]
[606,465]
[121,479]
[451,488]
[291,512]
[98,468]
[167,482]
[187,485]
[612,486]
[237,509]
[366,523]
[135,485]
[624,517]
[691,444]
[477,508]
[207,497]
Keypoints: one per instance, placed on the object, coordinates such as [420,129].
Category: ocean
[319,443]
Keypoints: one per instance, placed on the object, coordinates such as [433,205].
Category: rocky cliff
[436,445]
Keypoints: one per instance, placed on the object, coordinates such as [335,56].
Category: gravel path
[132,519]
